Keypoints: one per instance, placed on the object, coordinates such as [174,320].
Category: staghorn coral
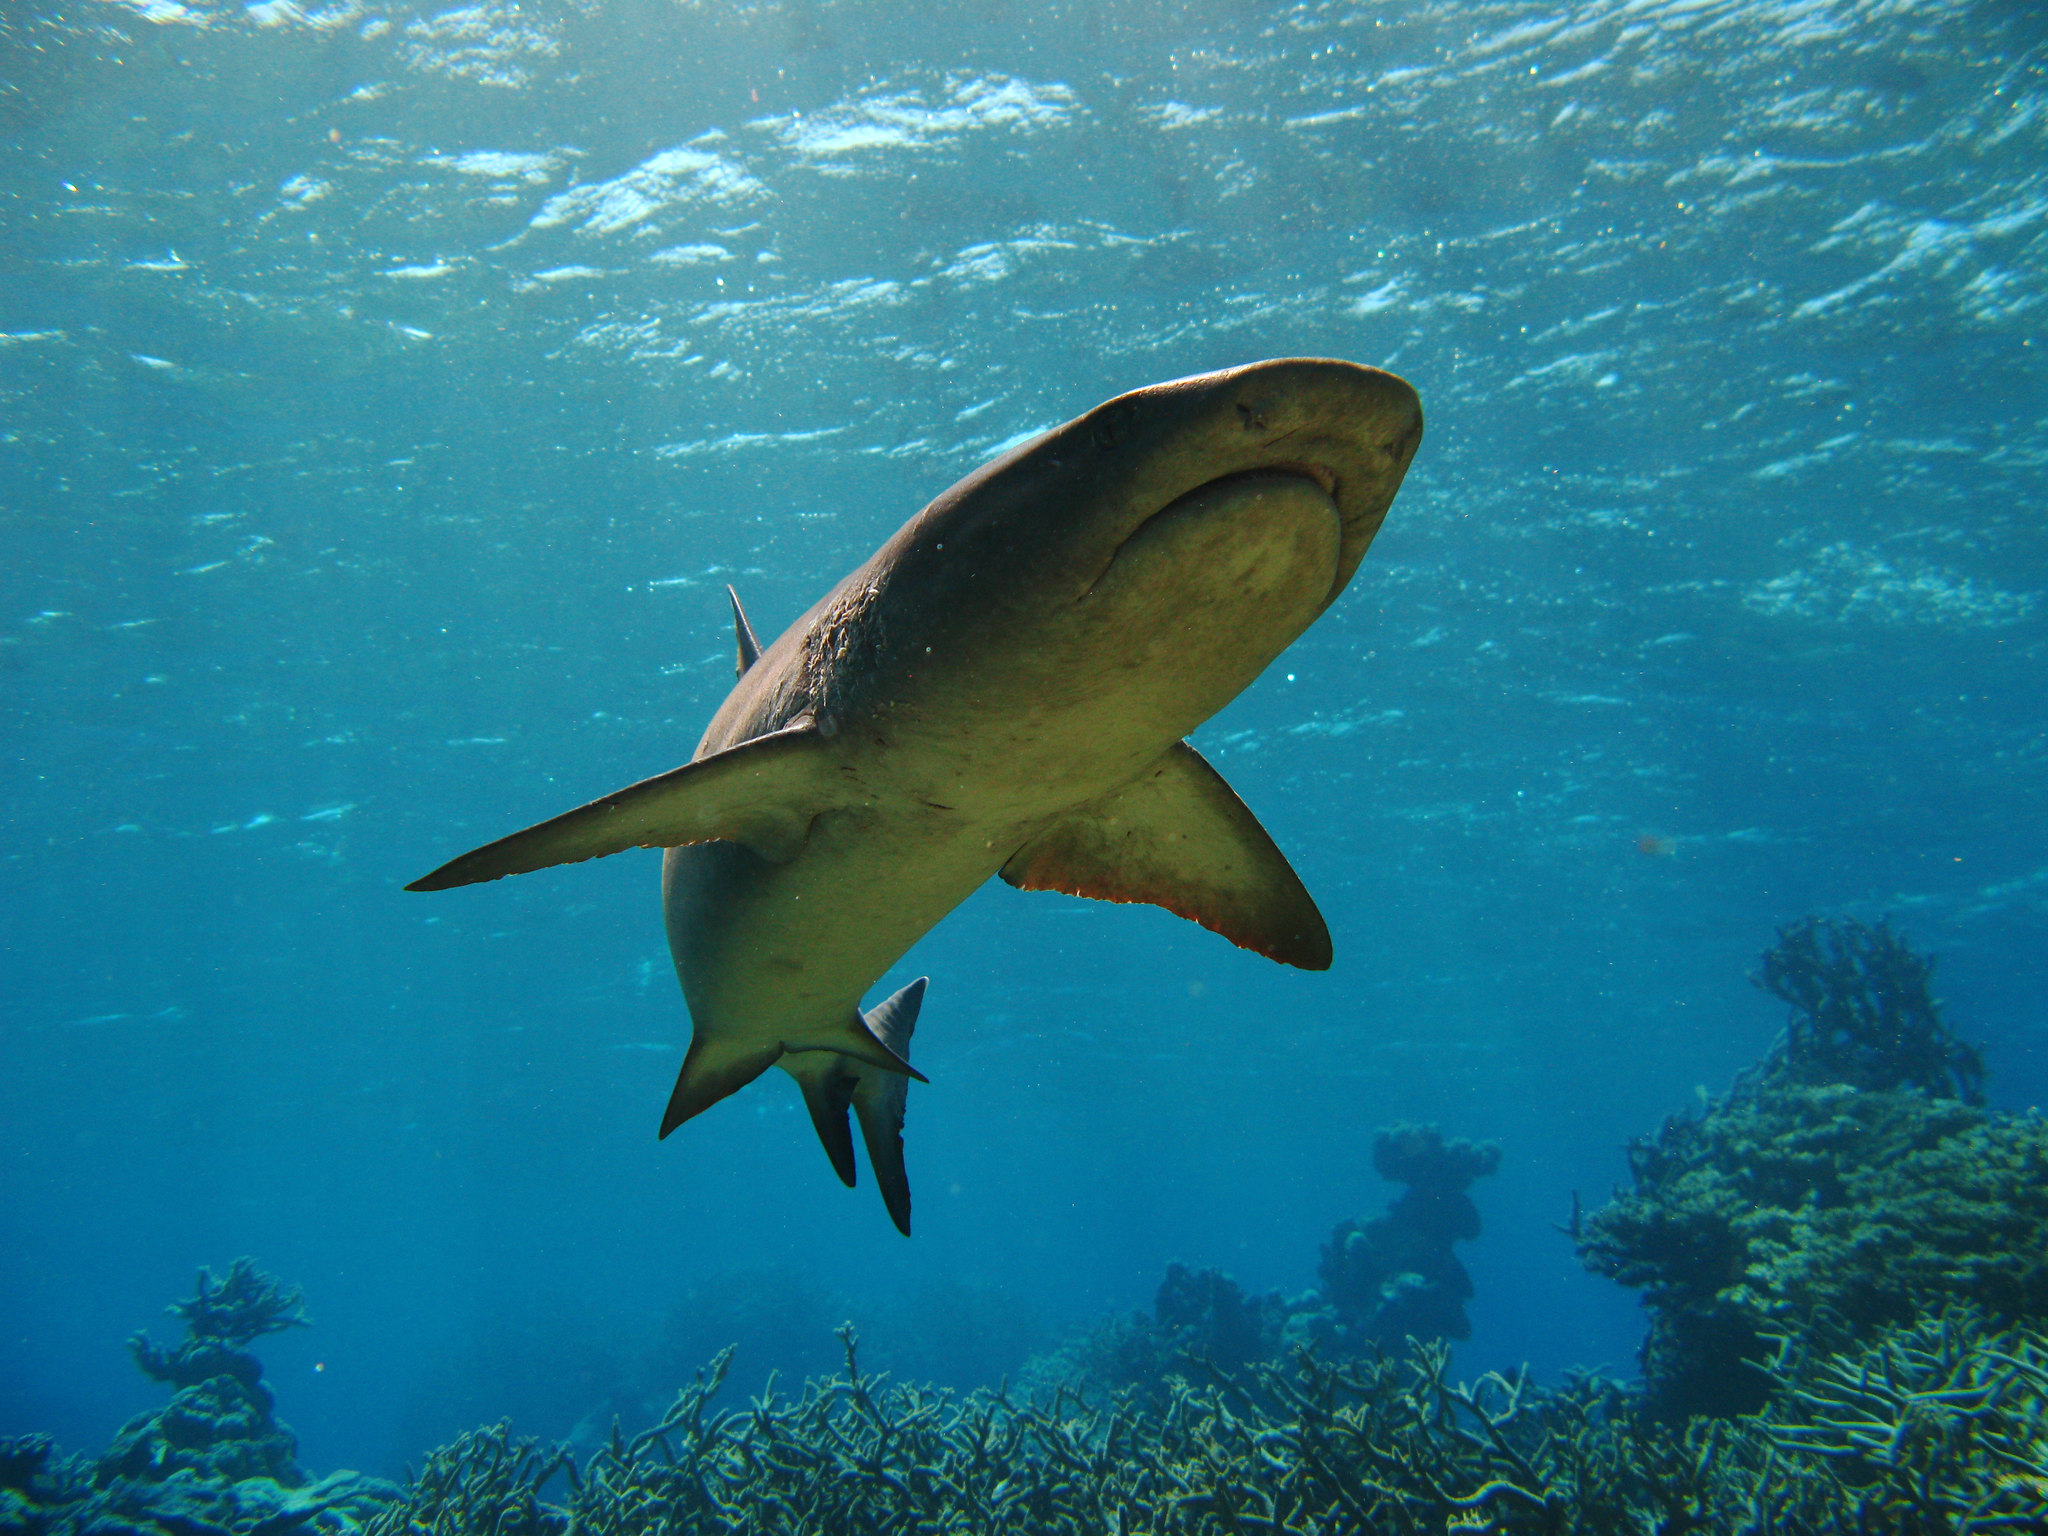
[1336,1449]
[1940,1427]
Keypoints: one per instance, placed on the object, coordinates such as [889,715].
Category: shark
[1004,688]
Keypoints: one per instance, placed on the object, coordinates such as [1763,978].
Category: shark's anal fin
[743,634]
[763,793]
[1179,838]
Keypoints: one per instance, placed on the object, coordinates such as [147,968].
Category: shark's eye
[1114,423]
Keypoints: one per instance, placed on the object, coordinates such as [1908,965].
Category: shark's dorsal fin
[1179,838]
[743,634]
[763,793]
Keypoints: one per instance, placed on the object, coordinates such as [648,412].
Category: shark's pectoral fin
[879,1097]
[763,793]
[1179,838]
[709,1073]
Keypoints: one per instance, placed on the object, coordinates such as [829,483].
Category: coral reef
[220,1425]
[1206,1313]
[956,1332]
[1849,1182]
[212,1460]
[1938,1428]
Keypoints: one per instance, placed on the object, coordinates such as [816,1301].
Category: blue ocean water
[388,392]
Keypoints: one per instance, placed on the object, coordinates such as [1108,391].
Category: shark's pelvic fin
[708,1075]
[763,793]
[878,1100]
[1179,838]
[743,633]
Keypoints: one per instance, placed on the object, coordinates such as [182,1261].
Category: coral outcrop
[221,1423]
[213,1460]
[1850,1182]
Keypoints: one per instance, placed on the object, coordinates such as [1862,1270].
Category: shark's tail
[879,1097]
[834,1082]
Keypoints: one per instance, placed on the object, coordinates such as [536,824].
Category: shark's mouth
[1209,493]
[1320,475]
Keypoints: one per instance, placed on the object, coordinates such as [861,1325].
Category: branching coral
[222,1317]
[1365,1446]
[1942,1427]
[1861,1012]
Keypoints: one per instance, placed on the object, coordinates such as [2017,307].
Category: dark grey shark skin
[1003,687]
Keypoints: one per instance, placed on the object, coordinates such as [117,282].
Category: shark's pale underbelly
[786,951]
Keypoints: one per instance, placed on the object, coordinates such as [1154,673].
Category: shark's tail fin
[878,1100]
[835,1081]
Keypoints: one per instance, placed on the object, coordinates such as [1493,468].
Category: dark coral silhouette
[1395,1276]
[1209,1314]
[1387,1285]
[221,1423]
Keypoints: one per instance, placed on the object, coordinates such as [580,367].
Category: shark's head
[1191,530]
[1081,490]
